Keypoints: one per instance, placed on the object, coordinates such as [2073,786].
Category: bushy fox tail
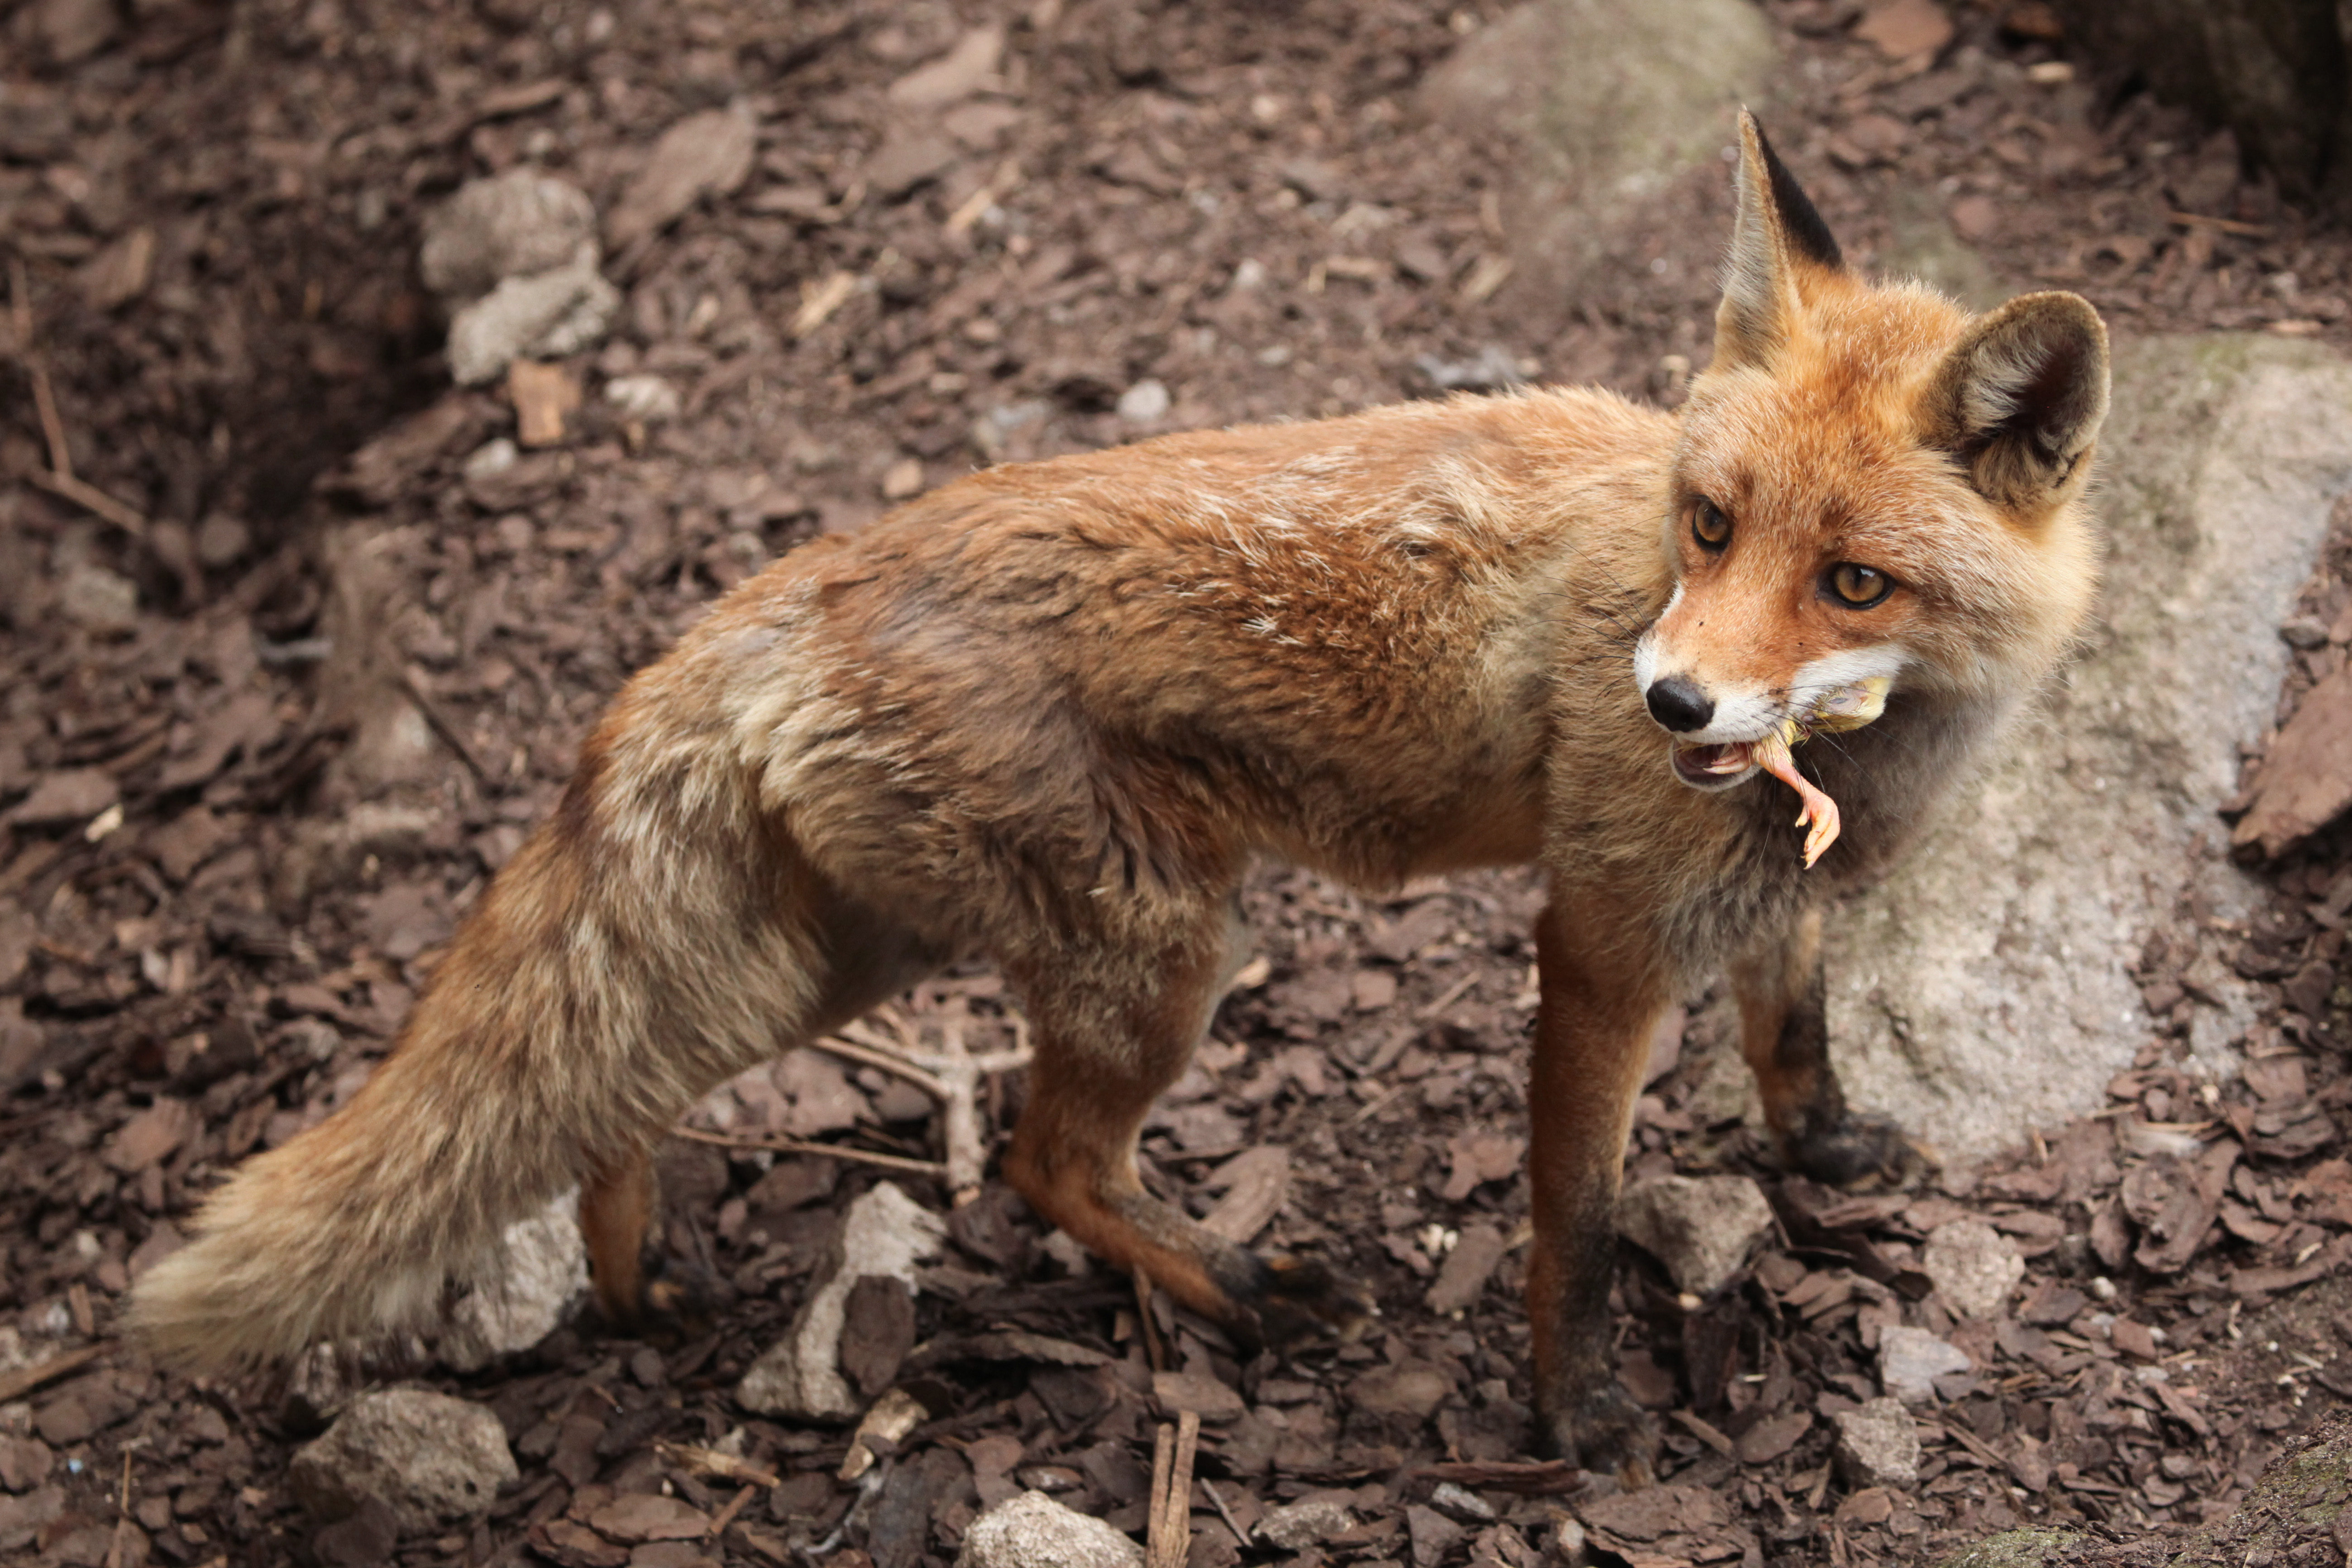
[653,938]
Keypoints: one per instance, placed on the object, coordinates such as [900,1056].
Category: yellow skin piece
[1847,708]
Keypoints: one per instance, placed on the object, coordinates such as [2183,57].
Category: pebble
[1878,1445]
[1973,1266]
[1144,402]
[1911,1360]
[428,1457]
[543,1275]
[1702,1228]
[1033,1531]
[1309,1521]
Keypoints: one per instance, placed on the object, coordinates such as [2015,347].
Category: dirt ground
[230,865]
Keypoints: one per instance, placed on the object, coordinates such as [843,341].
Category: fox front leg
[1784,1035]
[1602,996]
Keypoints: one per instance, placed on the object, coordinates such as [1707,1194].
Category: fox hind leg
[1784,1035]
[1113,1027]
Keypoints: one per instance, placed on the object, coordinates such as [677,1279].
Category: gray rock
[646,397]
[511,225]
[1606,101]
[430,1459]
[1984,989]
[541,315]
[1911,1360]
[1701,1227]
[1144,402]
[1033,1531]
[886,1233]
[1309,1521]
[542,1275]
[1973,1266]
[1878,1446]
[96,599]
[515,259]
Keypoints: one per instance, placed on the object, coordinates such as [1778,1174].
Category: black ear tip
[1808,235]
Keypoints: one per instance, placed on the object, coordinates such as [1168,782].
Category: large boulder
[1606,103]
[1984,989]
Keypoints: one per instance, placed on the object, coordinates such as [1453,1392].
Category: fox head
[1869,483]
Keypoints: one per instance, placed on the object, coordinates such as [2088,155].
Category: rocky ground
[300,640]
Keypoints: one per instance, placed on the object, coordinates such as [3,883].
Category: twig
[442,726]
[849,1050]
[60,480]
[122,1510]
[1155,1354]
[2224,225]
[726,1516]
[24,1379]
[781,1145]
[712,1462]
[1224,1512]
[1170,1537]
[951,1075]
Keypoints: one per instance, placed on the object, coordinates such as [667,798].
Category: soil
[232,858]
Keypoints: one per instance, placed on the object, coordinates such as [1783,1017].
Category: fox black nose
[1678,704]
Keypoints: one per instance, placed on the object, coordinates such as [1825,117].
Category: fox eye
[1858,587]
[1709,526]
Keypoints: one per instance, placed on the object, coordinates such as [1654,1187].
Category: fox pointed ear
[2019,398]
[1777,235]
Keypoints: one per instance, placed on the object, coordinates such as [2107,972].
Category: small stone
[1461,1503]
[513,225]
[1878,1445]
[1973,1266]
[541,315]
[1702,1228]
[886,1231]
[491,458]
[98,600]
[222,539]
[1309,1521]
[646,397]
[903,480]
[1033,1531]
[1911,1360]
[542,1274]
[1144,402]
[429,1458]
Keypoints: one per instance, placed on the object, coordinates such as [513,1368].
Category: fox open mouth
[1716,765]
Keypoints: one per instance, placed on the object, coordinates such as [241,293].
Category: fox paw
[676,1306]
[1606,1434]
[1861,1151]
[1299,1302]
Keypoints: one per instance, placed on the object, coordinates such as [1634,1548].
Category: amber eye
[1858,587]
[1709,526]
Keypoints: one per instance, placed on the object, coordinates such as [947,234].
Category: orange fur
[1051,712]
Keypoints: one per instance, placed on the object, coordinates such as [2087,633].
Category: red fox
[1051,712]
